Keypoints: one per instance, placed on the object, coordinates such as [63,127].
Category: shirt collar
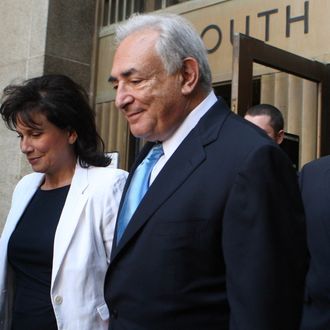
[171,144]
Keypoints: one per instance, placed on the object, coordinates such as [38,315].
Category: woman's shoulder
[27,183]
[105,181]
[106,177]
[107,172]
[29,179]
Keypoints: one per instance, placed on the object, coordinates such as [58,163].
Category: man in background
[269,118]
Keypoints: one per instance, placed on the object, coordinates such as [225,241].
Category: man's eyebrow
[124,74]
[112,79]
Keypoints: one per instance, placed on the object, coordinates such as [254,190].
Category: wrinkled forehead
[135,59]
[143,37]
[136,46]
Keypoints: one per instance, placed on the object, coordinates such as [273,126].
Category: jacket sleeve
[264,243]
[111,199]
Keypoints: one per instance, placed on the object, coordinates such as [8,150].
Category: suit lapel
[26,196]
[137,161]
[190,154]
[20,204]
[70,216]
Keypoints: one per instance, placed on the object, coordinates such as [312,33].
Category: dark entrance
[248,50]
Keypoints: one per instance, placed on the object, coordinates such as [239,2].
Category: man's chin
[141,134]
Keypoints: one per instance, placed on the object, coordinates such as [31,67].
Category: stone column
[39,37]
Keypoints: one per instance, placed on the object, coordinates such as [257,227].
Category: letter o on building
[219,39]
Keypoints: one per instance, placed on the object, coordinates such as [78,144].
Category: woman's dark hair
[65,104]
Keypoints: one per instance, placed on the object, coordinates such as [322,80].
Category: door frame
[248,50]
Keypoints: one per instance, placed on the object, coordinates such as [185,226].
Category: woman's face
[48,148]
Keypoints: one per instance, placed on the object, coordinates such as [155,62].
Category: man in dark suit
[218,240]
[315,188]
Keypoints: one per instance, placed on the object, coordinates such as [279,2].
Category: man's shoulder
[228,124]
[317,165]
[243,133]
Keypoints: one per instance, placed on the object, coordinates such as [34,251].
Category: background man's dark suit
[223,221]
[315,188]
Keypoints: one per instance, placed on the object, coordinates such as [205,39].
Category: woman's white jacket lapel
[79,242]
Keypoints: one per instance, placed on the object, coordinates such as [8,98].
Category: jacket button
[58,300]
[113,314]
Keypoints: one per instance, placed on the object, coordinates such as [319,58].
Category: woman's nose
[25,145]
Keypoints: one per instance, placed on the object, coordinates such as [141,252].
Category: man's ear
[280,136]
[190,75]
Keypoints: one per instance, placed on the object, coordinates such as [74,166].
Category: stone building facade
[39,37]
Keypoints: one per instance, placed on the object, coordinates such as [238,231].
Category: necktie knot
[137,188]
[154,154]
[156,151]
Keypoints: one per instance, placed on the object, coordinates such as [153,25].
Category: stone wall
[39,37]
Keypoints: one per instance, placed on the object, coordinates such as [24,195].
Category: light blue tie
[137,188]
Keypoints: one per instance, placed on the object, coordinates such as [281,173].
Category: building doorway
[300,84]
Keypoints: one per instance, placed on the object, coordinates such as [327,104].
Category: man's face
[151,100]
[263,121]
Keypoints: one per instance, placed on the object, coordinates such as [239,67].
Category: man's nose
[123,97]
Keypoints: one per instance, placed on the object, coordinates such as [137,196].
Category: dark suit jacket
[218,239]
[315,188]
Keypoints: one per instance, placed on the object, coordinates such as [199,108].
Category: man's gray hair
[177,40]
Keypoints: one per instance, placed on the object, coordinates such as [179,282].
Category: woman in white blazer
[55,247]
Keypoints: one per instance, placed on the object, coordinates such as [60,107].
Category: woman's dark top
[30,253]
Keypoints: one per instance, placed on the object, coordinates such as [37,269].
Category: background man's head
[269,118]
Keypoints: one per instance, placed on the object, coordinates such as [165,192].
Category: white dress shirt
[171,144]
